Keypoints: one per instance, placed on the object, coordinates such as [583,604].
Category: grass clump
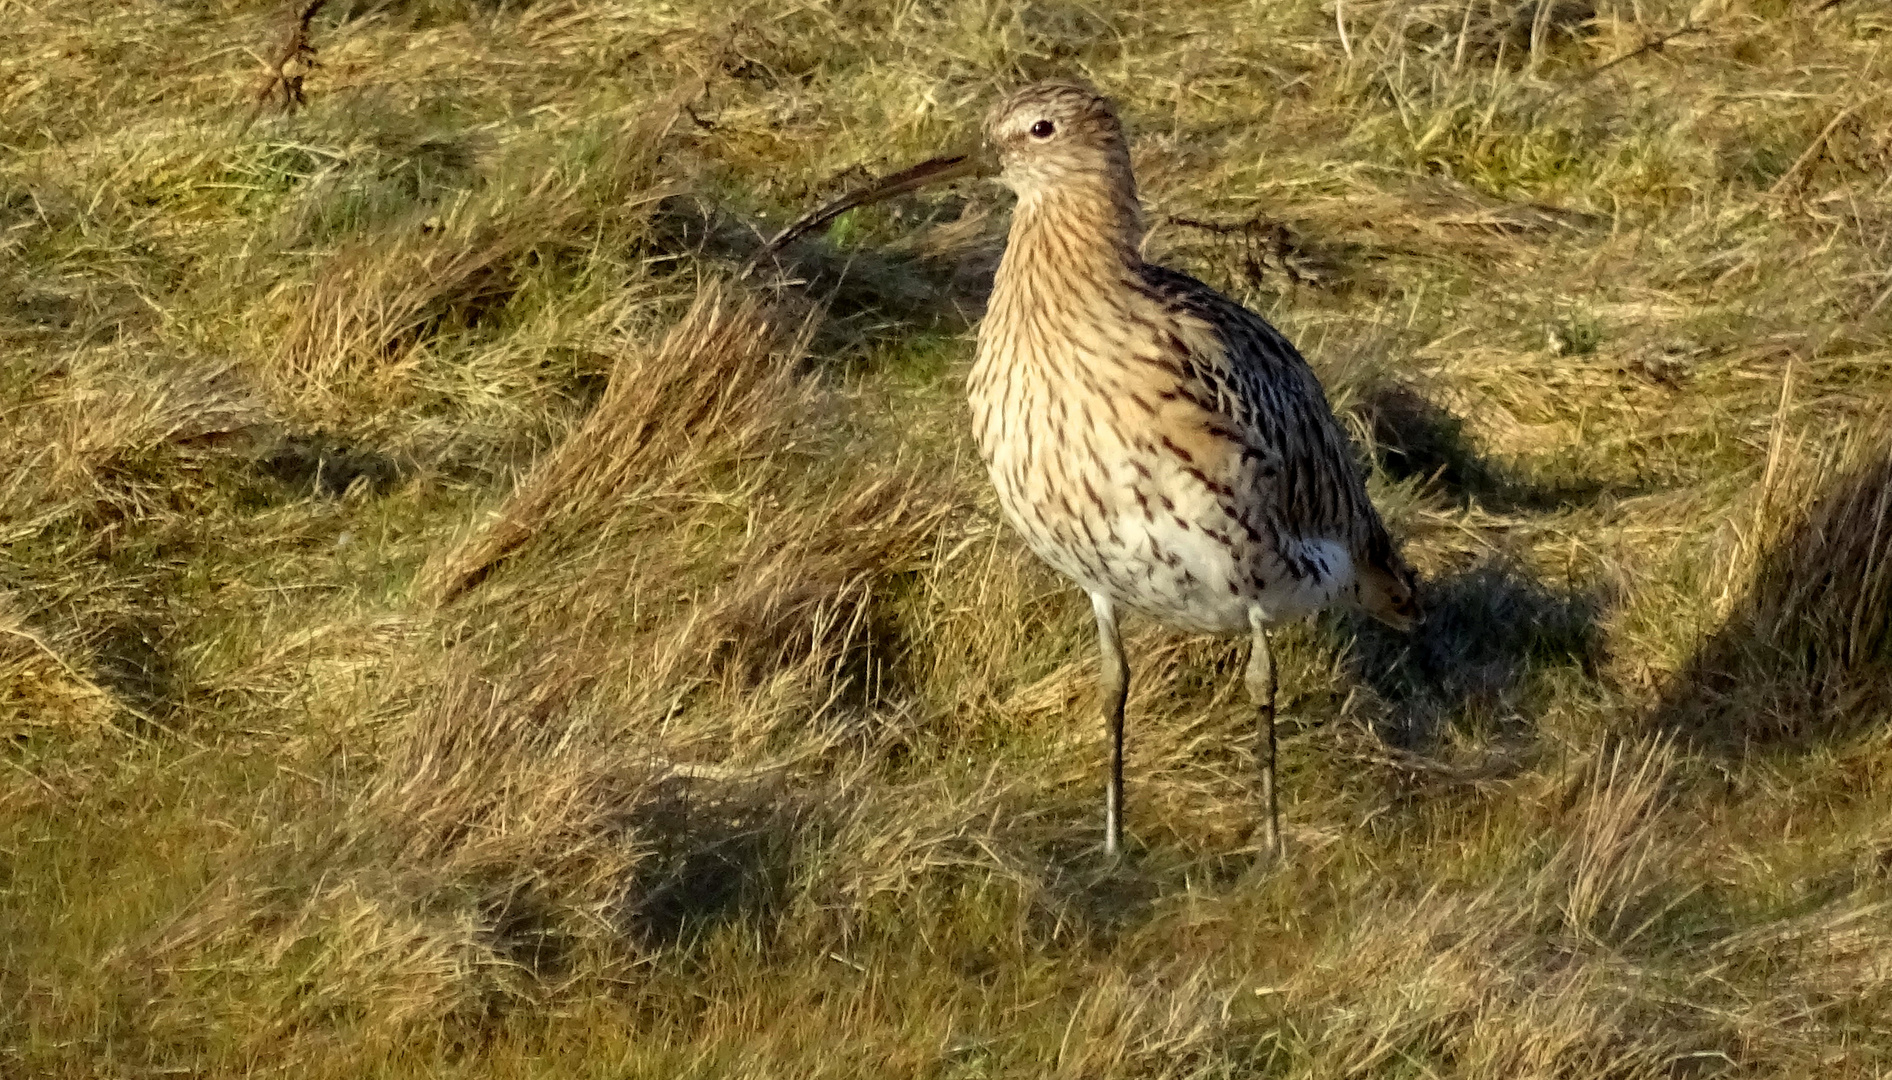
[1804,650]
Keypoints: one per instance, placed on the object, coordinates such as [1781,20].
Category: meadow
[450,625]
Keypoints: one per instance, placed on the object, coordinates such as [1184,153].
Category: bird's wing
[1294,449]
[1298,472]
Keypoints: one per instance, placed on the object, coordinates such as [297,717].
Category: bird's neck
[1074,236]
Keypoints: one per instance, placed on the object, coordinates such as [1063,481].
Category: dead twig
[1819,143]
[1653,44]
[293,61]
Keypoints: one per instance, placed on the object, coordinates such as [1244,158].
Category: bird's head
[1056,133]
[1050,135]
[1388,590]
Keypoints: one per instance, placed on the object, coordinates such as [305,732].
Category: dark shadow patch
[46,310]
[522,928]
[1509,32]
[431,166]
[130,658]
[1414,438]
[863,651]
[315,464]
[475,303]
[424,13]
[1806,655]
[1088,892]
[83,313]
[1058,35]
[1487,631]
[397,183]
[720,852]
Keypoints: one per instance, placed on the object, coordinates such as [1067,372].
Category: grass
[448,628]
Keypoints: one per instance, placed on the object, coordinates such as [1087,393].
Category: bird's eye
[1043,129]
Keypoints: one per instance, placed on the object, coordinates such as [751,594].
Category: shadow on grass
[313,463]
[133,658]
[1080,891]
[1417,438]
[1806,654]
[1487,631]
[722,852]
[718,853]
[725,852]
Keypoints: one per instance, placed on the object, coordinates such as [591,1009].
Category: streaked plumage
[1153,440]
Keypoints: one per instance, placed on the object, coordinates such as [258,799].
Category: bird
[1151,439]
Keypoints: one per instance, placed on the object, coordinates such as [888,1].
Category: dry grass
[1804,650]
[447,629]
[716,390]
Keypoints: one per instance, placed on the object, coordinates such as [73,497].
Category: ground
[450,626]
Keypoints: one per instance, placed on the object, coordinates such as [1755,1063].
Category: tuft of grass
[711,392]
[1804,649]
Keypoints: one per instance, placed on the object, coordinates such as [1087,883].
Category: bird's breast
[1122,472]
[1102,488]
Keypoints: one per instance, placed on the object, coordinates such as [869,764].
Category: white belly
[1184,569]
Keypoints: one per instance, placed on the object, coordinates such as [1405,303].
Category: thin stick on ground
[1819,142]
[293,60]
[1654,44]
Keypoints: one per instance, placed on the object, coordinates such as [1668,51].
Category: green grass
[443,632]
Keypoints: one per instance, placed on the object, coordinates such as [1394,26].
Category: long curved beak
[972,162]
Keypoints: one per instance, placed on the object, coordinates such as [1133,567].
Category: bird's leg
[1261,690]
[1114,689]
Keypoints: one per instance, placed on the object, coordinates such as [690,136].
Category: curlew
[1151,439]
